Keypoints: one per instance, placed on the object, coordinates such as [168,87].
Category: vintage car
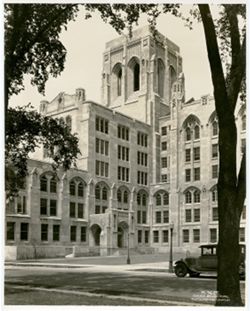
[205,263]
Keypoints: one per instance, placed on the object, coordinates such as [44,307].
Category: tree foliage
[27,130]
[32,43]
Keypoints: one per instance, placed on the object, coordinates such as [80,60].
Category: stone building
[148,163]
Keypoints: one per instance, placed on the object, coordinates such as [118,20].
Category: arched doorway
[122,235]
[96,232]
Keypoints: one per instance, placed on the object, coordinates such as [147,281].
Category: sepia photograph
[125,155]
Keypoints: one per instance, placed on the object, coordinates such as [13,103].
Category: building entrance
[122,235]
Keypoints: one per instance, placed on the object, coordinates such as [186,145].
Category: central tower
[138,74]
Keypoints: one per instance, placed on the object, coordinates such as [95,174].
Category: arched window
[43,183]
[97,192]
[196,132]
[119,82]
[69,122]
[144,200]
[104,193]
[173,76]
[80,189]
[161,75]
[188,197]
[188,134]
[138,199]
[243,124]
[158,199]
[125,196]
[165,199]
[72,188]
[136,77]
[197,196]
[53,185]
[119,196]
[215,128]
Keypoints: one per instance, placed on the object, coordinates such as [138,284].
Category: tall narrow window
[215,128]
[69,122]
[136,77]
[196,132]
[188,134]
[119,82]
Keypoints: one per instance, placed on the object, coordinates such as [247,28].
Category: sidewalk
[151,263]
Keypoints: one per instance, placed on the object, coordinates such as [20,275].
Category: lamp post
[170,268]
[128,257]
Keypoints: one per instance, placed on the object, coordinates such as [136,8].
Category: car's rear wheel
[180,270]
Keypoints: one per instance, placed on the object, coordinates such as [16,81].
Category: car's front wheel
[180,270]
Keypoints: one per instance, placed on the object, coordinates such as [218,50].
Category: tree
[33,46]
[229,85]
[231,186]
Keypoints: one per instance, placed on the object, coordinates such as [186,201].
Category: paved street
[89,281]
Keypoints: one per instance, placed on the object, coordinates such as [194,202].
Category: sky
[85,43]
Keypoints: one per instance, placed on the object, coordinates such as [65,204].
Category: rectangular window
[214,150]
[214,171]
[196,215]
[164,178]
[243,214]
[196,173]
[80,210]
[164,131]
[242,234]
[213,235]
[119,151]
[102,168]
[188,174]
[196,235]
[139,236]
[83,234]
[164,146]
[243,145]
[188,215]
[43,206]
[158,217]
[164,162]
[102,125]
[10,231]
[56,232]
[165,217]
[156,236]
[146,236]
[97,209]
[196,153]
[72,209]
[144,217]
[21,205]
[215,215]
[139,217]
[53,207]
[187,155]
[24,231]
[73,233]
[165,236]
[142,139]
[185,233]
[44,232]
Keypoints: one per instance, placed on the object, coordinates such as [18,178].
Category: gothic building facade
[149,163]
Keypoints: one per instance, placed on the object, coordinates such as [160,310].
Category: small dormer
[43,106]
[80,94]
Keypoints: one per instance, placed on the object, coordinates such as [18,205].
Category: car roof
[213,245]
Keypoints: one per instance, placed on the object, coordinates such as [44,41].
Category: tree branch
[219,83]
[237,70]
